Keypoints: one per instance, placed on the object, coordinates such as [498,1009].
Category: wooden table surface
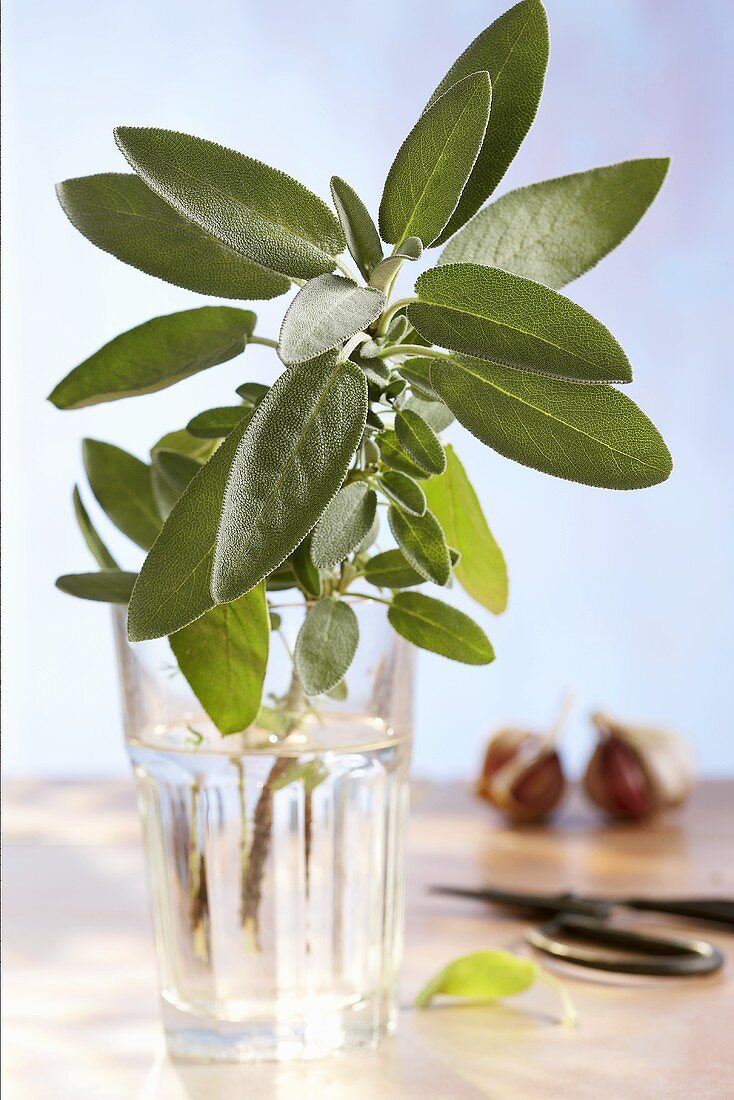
[80,997]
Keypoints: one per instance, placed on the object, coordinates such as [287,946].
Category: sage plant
[280,490]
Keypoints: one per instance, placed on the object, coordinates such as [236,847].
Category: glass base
[324,1034]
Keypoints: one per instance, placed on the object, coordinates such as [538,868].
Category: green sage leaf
[491,314]
[223,656]
[339,692]
[418,372]
[391,569]
[371,537]
[120,215]
[514,51]
[326,645]
[216,423]
[171,472]
[121,484]
[325,313]
[481,570]
[363,240]
[174,586]
[156,354]
[403,491]
[184,443]
[423,543]
[419,441]
[107,586]
[252,393]
[393,455]
[261,213]
[304,570]
[591,434]
[483,976]
[554,231]
[434,625]
[384,272]
[344,524]
[99,551]
[281,578]
[428,175]
[433,411]
[290,463]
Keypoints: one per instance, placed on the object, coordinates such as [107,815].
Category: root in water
[198,895]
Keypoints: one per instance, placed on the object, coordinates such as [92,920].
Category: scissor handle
[661,955]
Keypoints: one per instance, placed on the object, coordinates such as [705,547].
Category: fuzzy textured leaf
[344,524]
[326,645]
[428,175]
[554,231]
[419,441]
[433,411]
[171,471]
[261,213]
[514,51]
[384,272]
[252,393]
[404,491]
[174,586]
[363,240]
[591,434]
[185,443]
[289,464]
[422,542]
[481,570]
[120,215]
[494,315]
[121,484]
[483,976]
[97,548]
[393,455]
[304,570]
[223,655]
[107,586]
[156,354]
[325,313]
[216,423]
[417,371]
[391,569]
[434,625]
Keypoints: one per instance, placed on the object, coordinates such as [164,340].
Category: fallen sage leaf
[490,975]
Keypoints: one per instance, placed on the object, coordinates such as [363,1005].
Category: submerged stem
[198,893]
[262,825]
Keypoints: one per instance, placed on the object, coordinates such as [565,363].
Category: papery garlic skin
[637,771]
[522,775]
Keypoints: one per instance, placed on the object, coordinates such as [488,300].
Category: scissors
[586,919]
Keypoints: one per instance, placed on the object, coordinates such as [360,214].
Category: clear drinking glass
[276,862]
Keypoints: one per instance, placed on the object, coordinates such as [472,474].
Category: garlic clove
[636,771]
[522,775]
[615,781]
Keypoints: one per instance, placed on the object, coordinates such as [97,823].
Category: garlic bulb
[636,771]
[522,775]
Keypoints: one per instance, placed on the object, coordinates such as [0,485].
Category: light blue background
[625,598]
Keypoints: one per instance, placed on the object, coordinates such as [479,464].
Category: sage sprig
[287,488]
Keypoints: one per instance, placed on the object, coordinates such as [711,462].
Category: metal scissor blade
[547,904]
